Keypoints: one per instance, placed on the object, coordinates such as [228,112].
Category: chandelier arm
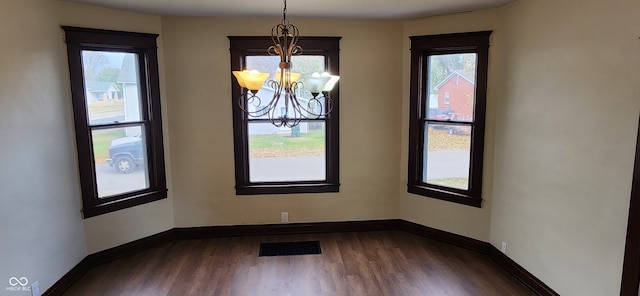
[324,110]
[315,100]
[277,92]
[298,115]
[250,97]
[308,113]
[285,38]
[299,105]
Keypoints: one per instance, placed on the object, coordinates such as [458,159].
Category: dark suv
[126,153]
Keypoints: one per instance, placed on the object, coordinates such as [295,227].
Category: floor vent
[290,248]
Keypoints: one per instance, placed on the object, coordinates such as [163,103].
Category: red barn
[457,92]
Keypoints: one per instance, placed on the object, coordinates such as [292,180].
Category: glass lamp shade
[251,80]
[293,76]
[333,79]
[315,83]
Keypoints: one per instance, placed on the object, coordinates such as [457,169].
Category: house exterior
[128,80]
[266,94]
[101,91]
[456,92]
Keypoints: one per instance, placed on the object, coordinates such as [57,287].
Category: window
[272,160]
[116,106]
[446,145]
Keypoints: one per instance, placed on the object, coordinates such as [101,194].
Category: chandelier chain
[284,10]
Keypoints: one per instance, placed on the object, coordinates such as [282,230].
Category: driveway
[111,182]
[301,168]
[448,164]
[440,164]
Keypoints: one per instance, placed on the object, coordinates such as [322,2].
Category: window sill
[445,195]
[289,188]
[120,204]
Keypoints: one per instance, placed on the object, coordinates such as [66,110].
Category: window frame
[421,48]
[242,46]
[145,46]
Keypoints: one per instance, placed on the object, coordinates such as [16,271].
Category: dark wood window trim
[421,48]
[144,45]
[242,46]
[631,265]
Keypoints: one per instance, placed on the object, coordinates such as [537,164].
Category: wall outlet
[504,248]
[284,217]
[35,289]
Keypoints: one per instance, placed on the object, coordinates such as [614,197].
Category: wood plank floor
[353,263]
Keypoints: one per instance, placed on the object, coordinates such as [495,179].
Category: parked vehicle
[440,113]
[459,130]
[126,153]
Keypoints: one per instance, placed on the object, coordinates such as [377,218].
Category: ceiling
[371,9]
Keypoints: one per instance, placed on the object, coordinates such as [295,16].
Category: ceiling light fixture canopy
[285,107]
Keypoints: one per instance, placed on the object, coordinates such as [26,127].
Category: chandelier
[286,108]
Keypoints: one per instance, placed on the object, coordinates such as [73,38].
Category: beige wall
[200,124]
[461,219]
[113,229]
[561,122]
[565,139]
[41,229]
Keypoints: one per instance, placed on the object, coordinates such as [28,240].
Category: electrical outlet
[504,248]
[284,217]
[35,289]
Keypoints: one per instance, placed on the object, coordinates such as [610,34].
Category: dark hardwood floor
[351,263]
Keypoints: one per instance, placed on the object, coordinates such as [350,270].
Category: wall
[565,141]
[461,219]
[113,229]
[199,97]
[41,229]
[556,190]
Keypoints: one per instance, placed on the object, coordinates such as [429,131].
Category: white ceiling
[380,9]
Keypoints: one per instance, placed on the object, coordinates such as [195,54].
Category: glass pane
[120,160]
[287,154]
[111,86]
[447,154]
[304,65]
[451,91]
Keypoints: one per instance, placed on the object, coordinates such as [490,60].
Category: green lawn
[96,108]
[440,139]
[313,144]
[102,141]
[307,144]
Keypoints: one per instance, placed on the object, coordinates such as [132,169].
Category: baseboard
[284,228]
[522,275]
[525,277]
[105,256]
[69,278]
[131,247]
[444,236]
[142,244]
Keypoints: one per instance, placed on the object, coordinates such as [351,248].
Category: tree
[108,74]
[441,66]
[92,63]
